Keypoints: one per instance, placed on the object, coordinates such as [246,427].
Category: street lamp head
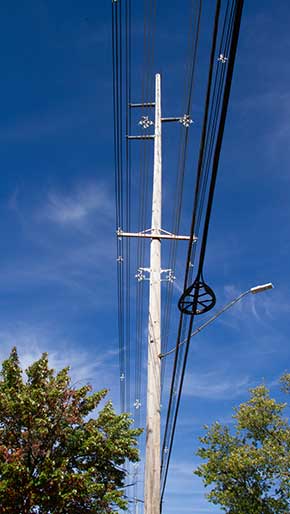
[260,289]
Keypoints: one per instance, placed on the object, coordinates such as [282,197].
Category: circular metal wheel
[197,299]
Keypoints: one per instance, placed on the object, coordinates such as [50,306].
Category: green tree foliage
[248,467]
[53,458]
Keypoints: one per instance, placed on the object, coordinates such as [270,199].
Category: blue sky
[57,258]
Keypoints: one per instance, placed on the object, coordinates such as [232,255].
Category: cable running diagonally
[182,156]
[197,188]
[222,119]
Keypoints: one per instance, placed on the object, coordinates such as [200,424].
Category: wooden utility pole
[156,234]
[152,462]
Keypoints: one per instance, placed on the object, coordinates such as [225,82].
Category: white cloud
[215,386]
[71,241]
[77,206]
[85,366]
[262,308]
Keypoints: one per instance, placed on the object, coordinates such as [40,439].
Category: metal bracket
[145,122]
[170,276]
[222,58]
[150,234]
[137,404]
[140,275]
[146,104]
[141,137]
[186,120]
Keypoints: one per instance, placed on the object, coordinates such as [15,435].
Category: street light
[253,290]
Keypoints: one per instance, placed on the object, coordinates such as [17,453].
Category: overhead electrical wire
[218,143]
[197,188]
[143,197]
[128,205]
[118,158]
[210,146]
[193,42]
[142,205]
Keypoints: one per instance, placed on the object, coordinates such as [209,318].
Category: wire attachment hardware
[140,275]
[170,277]
[137,404]
[197,299]
[222,58]
[145,122]
[186,120]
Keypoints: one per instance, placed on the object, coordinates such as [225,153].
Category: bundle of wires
[130,355]
[216,104]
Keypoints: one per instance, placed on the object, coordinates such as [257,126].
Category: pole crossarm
[147,104]
[141,137]
[185,120]
[170,119]
[162,234]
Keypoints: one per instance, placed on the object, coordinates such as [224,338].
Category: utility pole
[152,462]
[156,234]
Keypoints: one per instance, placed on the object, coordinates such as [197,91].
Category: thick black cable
[197,188]
[197,10]
[175,417]
[224,109]
[213,119]
[216,95]
[203,137]
[180,179]
[232,56]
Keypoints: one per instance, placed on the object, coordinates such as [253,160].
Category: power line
[226,93]
[168,428]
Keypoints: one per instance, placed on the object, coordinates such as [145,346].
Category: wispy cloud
[263,307]
[215,386]
[85,366]
[70,236]
[77,206]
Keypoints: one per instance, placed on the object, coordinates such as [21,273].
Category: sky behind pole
[57,259]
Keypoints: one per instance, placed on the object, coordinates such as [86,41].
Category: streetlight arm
[253,290]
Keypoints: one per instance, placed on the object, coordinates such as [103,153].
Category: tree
[53,459]
[248,467]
